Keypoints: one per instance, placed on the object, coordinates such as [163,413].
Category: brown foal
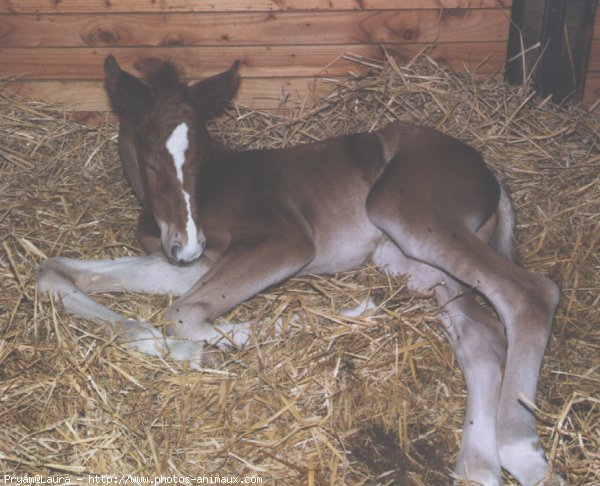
[221,225]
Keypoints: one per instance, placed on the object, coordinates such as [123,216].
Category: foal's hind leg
[525,303]
[479,344]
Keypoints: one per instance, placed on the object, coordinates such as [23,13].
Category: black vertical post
[549,45]
[552,76]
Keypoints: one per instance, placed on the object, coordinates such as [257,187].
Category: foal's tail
[503,239]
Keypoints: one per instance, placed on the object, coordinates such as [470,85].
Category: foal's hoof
[555,480]
[197,353]
[478,480]
[185,350]
[215,357]
[476,471]
[526,461]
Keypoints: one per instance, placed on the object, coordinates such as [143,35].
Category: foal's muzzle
[181,248]
[183,256]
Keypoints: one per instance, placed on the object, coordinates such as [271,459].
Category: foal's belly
[350,246]
[344,246]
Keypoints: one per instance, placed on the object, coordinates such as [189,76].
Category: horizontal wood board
[104,6]
[235,28]
[591,93]
[54,50]
[257,61]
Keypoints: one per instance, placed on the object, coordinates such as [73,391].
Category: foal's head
[162,124]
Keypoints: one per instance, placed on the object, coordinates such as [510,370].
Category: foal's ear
[128,95]
[211,95]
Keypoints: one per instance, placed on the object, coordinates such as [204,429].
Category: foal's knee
[550,292]
[187,321]
[534,302]
[543,297]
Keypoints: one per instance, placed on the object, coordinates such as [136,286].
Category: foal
[406,197]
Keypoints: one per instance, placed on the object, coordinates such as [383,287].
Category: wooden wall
[54,49]
[592,85]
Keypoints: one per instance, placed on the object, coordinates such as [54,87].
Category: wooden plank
[359,27]
[271,94]
[257,93]
[592,89]
[258,61]
[104,6]
[594,60]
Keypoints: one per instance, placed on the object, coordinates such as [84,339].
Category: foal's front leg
[70,280]
[240,272]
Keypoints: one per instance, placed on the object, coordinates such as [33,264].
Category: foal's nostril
[175,249]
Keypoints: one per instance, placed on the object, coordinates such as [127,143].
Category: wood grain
[592,89]
[55,49]
[222,29]
[258,61]
[104,6]
[594,60]
[591,92]
[257,93]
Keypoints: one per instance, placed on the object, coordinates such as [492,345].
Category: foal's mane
[160,75]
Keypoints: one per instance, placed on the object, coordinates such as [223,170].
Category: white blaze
[177,144]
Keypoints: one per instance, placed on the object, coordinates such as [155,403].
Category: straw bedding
[370,400]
